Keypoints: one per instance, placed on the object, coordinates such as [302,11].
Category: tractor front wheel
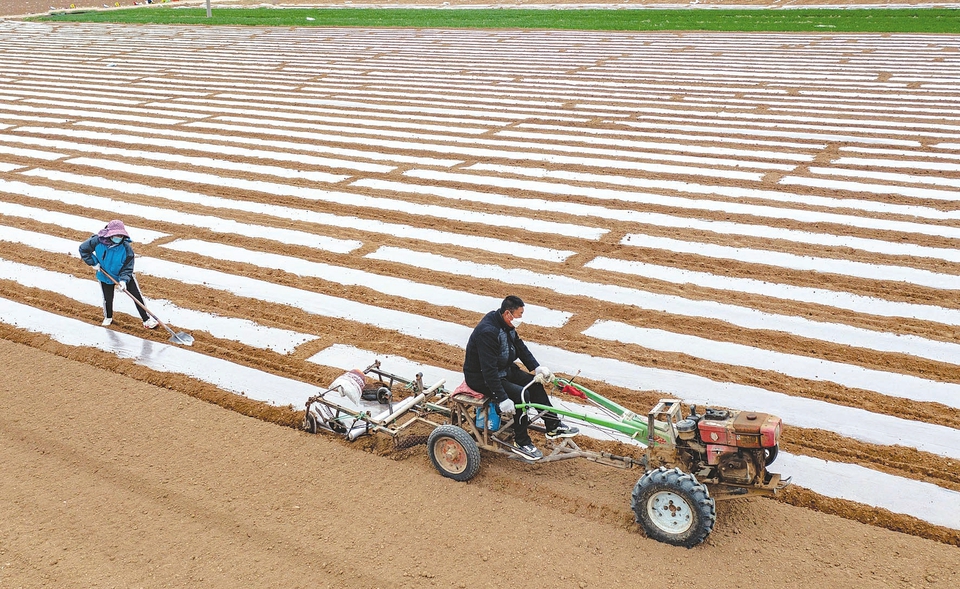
[770,454]
[453,452]
[673,507]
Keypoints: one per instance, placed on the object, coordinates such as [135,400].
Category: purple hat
[114,227]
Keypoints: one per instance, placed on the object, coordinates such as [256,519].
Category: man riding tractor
[490,368]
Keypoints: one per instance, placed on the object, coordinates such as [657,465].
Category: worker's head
[114,231]
[511,309]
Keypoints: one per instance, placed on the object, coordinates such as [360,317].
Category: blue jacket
[115,258]
[492,349]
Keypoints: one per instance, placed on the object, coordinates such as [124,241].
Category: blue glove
[507,407]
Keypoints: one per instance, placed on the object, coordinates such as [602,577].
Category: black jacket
[492,349]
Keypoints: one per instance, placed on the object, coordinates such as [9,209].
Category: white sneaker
[150,323]
[107,321]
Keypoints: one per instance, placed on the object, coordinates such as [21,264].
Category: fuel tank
[740,429]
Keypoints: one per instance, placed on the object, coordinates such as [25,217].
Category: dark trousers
[132,288]
[513,385]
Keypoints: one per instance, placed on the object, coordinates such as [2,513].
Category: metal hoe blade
[182,337]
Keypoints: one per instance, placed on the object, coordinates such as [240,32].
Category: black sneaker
[562,431]
[528,451]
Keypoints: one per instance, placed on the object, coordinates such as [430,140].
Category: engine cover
[757,430]
[740,429]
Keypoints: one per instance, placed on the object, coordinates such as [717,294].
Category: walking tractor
[689,462]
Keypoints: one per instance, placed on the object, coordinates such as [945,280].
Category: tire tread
[686,485]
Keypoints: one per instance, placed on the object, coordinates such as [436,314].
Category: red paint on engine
[742,429]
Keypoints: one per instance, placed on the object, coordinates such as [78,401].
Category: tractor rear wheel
[310,423]
[673,507]
[453,452]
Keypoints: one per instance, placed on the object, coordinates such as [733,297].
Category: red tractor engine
[732,447]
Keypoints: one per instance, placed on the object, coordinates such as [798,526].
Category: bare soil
[114,476]
[108,481]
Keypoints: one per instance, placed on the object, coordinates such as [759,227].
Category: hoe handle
[134,299]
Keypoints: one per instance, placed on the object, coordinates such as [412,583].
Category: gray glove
[507,407]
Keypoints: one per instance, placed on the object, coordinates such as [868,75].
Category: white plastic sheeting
[805,294]
[848,421]
[923,501]
[892,384]
[878,246]
[283,341]
[734,314]
[76,222]
[796,262]
[187,220]
[162,357]
[391,285]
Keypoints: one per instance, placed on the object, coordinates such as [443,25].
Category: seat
[464,394]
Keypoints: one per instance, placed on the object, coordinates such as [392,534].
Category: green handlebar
[632,429]
[598,399]
[622,419]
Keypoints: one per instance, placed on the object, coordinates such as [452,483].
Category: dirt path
[111,482]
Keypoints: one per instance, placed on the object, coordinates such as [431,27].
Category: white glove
[122,286]
[507,407]
[545,373]
[96,268]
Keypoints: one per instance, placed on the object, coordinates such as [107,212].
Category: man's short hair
[511,303]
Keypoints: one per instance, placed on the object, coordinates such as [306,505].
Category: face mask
[517,321]
[116,239]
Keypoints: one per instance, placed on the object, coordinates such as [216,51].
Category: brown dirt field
[116,476]
[108,481]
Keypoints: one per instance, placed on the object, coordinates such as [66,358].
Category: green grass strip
[869,20]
